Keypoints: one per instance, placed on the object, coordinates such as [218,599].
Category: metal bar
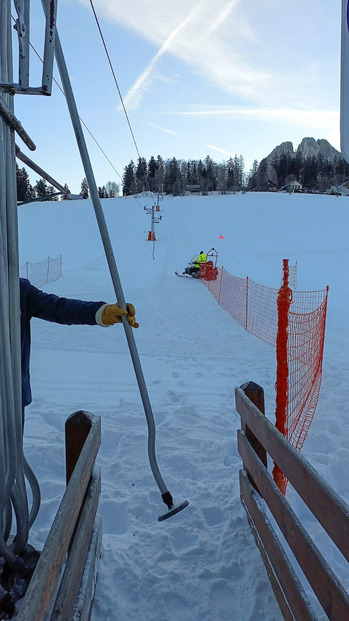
[22,27]
[18,492]
[49,50]
[14,123]
[12,460]
[26,160]
[110,257]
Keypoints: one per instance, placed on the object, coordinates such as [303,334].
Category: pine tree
[51,190]
[230,174]
[141,174]
[152,168]
[173,181]
[112,189]
[242,170]
[128,180]
[85,192]
[102,193]
[238,173]
[160,174]
[221,177]
[211,184]
[41,188]
[25,191]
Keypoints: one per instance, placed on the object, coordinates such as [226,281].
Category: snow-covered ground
[201,565]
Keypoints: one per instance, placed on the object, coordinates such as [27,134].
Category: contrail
[222,15]
[141,83]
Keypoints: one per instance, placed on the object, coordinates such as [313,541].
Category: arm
[50,307]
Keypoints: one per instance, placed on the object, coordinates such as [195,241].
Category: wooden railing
[257,438]
[62,585]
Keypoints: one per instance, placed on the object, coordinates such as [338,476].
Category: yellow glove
[113,314]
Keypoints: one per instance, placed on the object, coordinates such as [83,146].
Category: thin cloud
[222,16]
[142,84]
[290,115]
[162,129]
[227,46]
[205,40]
[211,146]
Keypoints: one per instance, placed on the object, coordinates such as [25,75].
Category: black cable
[115,80]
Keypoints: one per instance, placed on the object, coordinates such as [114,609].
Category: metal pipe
[49,50]
[22,27]
[13,122]
[26,160]
[110,257]
[18,491]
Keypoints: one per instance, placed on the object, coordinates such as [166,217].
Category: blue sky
[207,77]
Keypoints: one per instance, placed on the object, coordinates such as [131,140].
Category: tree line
[174,176]
[315,174]
[42,190]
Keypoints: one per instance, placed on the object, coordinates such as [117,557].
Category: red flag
[221,237]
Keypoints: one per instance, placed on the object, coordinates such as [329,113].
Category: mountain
[312,162]
[309,147]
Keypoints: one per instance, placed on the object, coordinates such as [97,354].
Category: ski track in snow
[202,564]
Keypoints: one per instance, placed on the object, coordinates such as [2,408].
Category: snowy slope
[202,564]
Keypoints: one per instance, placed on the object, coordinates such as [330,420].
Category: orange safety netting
[294,322]
[42,272]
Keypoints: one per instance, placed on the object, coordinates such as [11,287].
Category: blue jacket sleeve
[37,303]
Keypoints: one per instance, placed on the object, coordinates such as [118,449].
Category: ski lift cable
[120,95]
[117,85]
[166,496]
[114,76]
[82,121]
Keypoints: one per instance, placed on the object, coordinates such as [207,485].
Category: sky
[208,77]
[202,564]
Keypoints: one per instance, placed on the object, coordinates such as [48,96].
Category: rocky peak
[269,169]
[309,147]
[284,147]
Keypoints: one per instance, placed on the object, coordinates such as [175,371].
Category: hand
[113,313]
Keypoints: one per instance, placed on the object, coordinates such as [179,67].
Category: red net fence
[40,273]
[294,323]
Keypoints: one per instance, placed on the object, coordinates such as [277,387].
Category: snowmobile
[206,271]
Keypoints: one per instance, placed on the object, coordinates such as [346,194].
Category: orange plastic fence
[42,272]
[293,322]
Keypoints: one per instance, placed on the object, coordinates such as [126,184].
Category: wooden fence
[62,585]
[258,438]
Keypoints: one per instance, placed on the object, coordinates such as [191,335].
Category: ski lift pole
[166,496]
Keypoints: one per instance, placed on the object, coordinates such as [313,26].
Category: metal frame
[22,26]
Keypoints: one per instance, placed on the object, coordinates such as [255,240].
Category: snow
[201,564]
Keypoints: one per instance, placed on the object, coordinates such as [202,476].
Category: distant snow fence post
[259,439]
[63,583]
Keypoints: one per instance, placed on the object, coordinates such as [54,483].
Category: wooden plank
[330,593]
[84,600]
[77,428]
[278,592]
[255,393]
[327,506]
[69,586]
[43,584]
[292,589]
